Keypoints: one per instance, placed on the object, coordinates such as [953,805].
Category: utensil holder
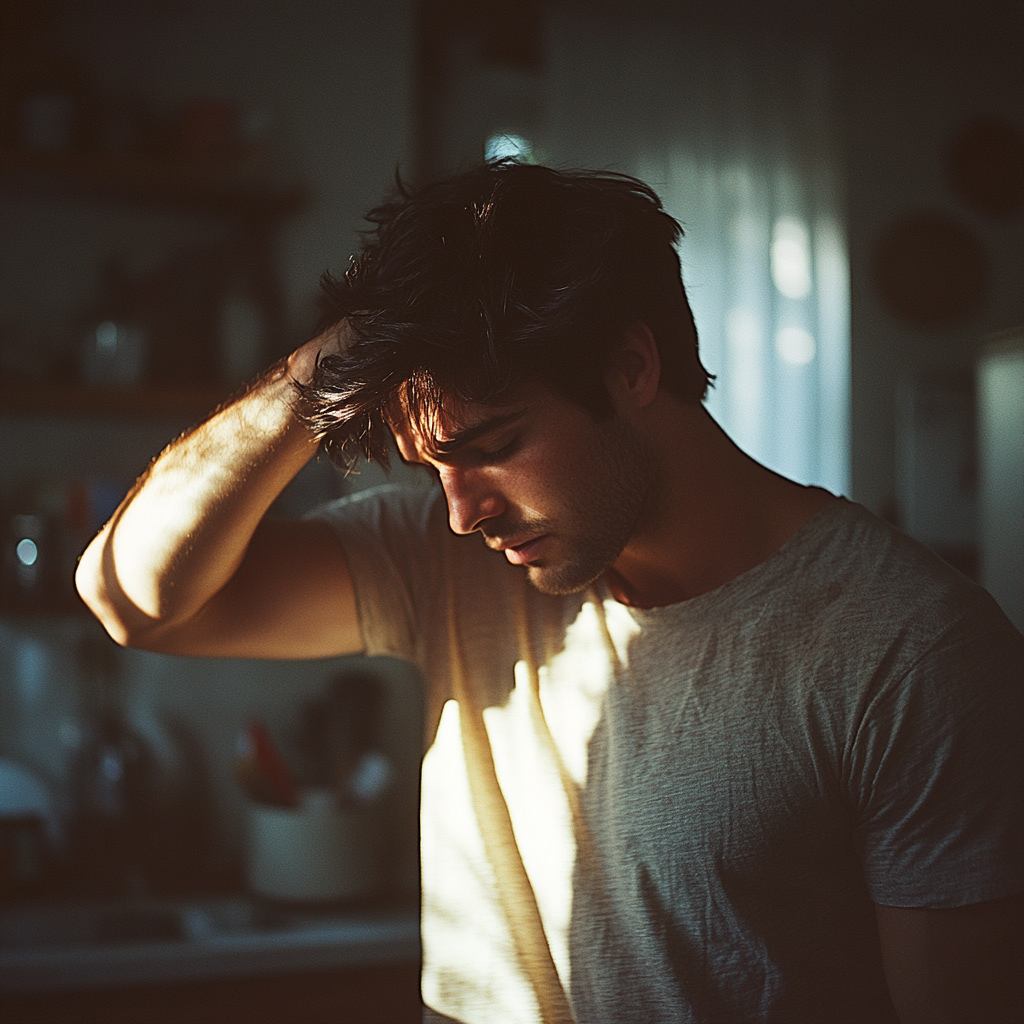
[316,851]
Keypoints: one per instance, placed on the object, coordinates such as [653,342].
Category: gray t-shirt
[686,813]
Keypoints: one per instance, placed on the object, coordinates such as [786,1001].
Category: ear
[634,367]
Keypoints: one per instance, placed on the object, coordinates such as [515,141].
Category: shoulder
[873,625]
[935,659]
[406,527]
[401,521]
[415,506]
[859,569]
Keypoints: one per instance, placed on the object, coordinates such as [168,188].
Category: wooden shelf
[247,192]
[56,400]
[227,187]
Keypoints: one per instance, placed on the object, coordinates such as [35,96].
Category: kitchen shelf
[152,402]
[249,194]
[228,187]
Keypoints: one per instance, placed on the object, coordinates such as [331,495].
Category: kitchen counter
[52,947]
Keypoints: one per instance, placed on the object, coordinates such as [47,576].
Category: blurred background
[175,176]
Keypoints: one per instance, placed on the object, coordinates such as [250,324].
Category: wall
[911,74]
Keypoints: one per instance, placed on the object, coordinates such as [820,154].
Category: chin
[561,581]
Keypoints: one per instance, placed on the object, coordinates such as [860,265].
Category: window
[736,139]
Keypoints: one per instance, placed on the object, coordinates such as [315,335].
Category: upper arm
[291,597]
[941,822]
[957,965]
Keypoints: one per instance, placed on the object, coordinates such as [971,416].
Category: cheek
[551,475]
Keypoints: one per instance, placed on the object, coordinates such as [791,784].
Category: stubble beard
[602,514]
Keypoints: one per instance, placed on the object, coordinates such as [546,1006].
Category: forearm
[182,532]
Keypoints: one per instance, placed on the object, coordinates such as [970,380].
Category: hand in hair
[333,342]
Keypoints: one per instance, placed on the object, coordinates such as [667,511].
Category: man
[702,744]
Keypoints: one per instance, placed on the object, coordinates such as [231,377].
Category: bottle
[111,829]
[114,345]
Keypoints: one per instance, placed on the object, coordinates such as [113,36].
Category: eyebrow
[463,437]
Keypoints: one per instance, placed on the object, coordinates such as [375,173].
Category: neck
[714,512]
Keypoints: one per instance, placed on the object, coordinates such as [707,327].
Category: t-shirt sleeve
[390,539]
[938,771]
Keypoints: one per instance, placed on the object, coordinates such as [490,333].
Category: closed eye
[475,456]
[499,455]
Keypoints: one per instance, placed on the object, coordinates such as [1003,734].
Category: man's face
[543,482]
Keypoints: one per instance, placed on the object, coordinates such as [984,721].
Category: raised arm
[188,564]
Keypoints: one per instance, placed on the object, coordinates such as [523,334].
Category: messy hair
[471,286]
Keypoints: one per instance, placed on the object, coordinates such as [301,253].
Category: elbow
[91,589]
[142,611]
[126,624]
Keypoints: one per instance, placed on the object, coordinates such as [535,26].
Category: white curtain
[736,138]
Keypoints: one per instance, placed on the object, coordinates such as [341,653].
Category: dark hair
[509,273]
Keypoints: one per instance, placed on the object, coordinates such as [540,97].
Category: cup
[316,851]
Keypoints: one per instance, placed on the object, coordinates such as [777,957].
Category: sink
[88,925]
[91,924]
[50,946]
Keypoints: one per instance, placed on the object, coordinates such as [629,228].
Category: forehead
[439,428]
[445,434]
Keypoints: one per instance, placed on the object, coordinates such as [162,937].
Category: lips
[520,554]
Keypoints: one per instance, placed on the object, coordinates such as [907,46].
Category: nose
[470,501]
